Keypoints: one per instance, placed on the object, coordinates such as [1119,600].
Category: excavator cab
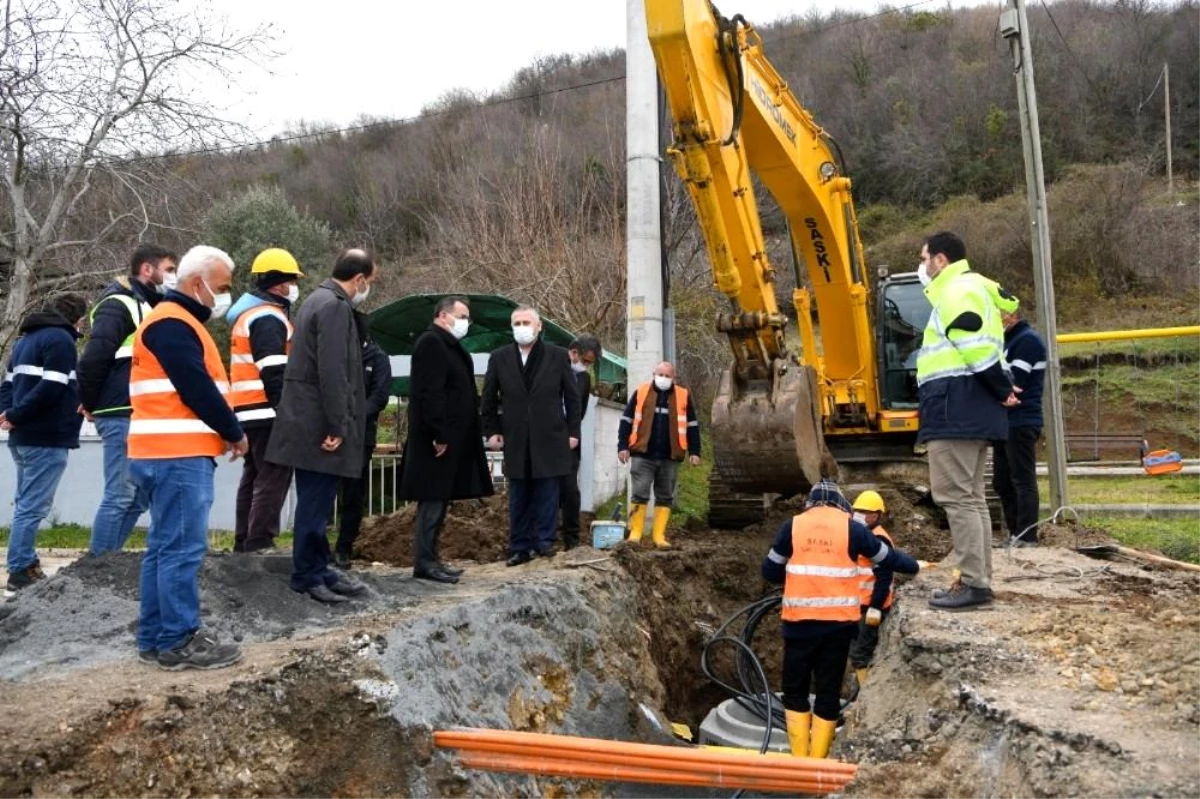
[901,315]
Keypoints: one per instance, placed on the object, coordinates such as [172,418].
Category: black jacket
[443,407]
[39,395]
[535,407]
[103,377]
[323,390]
[377,369]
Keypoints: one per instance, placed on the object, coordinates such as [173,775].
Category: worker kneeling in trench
[815,556]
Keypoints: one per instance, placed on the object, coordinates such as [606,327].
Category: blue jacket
[39,395]
[1025,353]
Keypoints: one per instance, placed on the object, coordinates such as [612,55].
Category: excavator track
[729,510]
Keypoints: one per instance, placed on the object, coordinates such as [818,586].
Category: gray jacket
[323,391]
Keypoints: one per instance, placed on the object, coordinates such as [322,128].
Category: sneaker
[962,597]
[148,656]
[347,586]
[201,651]
[1023,543]
[321,593]
[25,578]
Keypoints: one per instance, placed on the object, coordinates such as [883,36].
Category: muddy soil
[475,530]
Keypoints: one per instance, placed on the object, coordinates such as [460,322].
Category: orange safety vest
[247,394]
[162,426]
[639,434]
[866,570]
[822,579]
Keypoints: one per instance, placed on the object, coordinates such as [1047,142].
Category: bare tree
[87,88]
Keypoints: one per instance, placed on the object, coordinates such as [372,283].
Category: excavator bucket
[767,436]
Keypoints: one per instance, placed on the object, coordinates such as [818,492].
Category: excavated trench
[1013,701]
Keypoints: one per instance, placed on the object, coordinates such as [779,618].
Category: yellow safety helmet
[275,259]
[870,501]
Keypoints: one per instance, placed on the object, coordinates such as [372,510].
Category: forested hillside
[523,192]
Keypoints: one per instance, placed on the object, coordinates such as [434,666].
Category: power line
[398,121]
[1067,47]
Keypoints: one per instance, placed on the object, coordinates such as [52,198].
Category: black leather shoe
[519,558]
[450,570]
[436,575]
[341,560]
[321,593]
[548,552]
[346,586]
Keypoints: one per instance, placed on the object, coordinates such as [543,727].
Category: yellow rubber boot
[659,533]
[798,725]
[822,737]
[637,520]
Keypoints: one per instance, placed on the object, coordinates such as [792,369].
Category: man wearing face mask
[584,351]
[444,458]
[964,396]
[104,385]
[658,430]
[259,342]
[531,411]
[320,422]
[181,423]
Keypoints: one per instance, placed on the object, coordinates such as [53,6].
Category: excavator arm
[734,118]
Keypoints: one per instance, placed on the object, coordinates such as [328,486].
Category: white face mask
[524,334]
[662,383]
[461,326]
[923,275]
[221,302]
[579,367]
[360,297]
[293,293]
[860,518]
[170,282]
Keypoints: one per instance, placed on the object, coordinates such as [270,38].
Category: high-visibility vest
[866,570]
[822,579]
[137,313]
[676,405]
[247,394]
[162,426]
[959,353]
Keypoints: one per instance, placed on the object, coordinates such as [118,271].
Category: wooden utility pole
[1014,26]
[1167,113]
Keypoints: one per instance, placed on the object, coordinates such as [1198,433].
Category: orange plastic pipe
[661,776]
[774,767]
[478,739]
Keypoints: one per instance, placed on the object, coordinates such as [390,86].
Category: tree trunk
[14,306]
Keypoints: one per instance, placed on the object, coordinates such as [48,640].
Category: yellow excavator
[781,419]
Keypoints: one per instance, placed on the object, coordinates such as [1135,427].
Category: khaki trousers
[956,478]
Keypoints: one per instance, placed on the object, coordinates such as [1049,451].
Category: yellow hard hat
[275,259]
[870,501]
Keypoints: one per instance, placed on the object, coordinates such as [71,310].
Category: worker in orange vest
[259,344]
[875,587]
[815,557]
[181,422]
[658,430]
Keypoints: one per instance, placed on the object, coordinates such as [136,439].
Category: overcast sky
[347,58]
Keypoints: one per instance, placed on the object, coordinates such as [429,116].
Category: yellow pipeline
[1124,335]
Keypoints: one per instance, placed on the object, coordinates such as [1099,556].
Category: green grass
[1166,397]
[1177,538]
[1132,490]
[1183,346]
[691,495]
[76,536]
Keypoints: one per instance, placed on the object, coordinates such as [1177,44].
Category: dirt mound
[87,612]
[475,529]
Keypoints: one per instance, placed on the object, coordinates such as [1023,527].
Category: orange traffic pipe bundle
[621,761]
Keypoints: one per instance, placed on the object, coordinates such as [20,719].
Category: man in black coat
[322,417]
[443,455]
[377,374]
[584,351]
[531,411]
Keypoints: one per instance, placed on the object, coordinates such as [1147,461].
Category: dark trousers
[569,500]
[354,494]
[431,514]
[260,496]
[1014,477]
[818,661]
[315,492]
[532,514]
[862,650]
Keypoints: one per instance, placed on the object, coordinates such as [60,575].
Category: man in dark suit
[443,455]
[584,351]
[531,411]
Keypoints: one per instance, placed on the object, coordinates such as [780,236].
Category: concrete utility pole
[644,291]
[1167,113]
[1014,26]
